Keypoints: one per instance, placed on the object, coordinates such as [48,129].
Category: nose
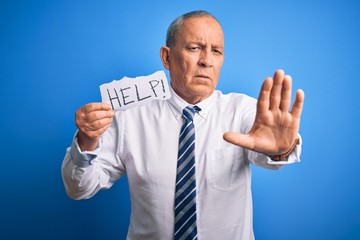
[206,58]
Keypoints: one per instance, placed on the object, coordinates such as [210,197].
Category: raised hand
[276,126]
[92,121]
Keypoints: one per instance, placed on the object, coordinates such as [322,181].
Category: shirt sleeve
[85,173]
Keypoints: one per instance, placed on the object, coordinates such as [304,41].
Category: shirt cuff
[82,158]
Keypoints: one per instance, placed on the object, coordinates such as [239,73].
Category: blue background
[55,54]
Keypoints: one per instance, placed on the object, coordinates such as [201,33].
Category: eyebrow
[203,44]
[217,46]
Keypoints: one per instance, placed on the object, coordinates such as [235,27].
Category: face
[196,59]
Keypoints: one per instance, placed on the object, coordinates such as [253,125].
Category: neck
[191,99]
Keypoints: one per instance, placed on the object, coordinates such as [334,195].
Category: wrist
[285,155]
[85,143]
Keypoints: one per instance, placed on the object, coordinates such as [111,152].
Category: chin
[202,92]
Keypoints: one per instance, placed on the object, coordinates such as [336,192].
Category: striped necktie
[185,194]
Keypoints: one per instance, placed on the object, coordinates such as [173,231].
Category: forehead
[204,28]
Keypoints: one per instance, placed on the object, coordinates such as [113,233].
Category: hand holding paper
[93,119]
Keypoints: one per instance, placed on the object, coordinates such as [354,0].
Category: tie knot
[190,111]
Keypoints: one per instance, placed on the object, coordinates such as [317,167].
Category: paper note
[131,92]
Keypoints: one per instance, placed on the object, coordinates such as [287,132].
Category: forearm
[81,179]
[86,172]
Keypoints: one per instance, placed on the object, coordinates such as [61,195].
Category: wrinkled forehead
[201,27]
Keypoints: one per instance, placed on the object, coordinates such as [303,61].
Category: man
[210,197]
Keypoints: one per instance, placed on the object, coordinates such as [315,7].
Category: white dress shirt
[142,142]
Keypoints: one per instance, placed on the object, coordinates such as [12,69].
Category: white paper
[132,92]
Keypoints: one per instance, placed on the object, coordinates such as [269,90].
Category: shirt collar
[177,104]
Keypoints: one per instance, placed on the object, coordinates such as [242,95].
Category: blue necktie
[185,194]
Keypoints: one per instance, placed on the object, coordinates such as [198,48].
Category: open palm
[276,126]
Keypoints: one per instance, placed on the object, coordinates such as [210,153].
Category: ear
[165,56]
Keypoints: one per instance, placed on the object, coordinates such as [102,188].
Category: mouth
[203,76]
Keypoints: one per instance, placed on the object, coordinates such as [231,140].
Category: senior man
[187,158]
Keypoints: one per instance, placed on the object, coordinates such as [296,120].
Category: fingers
[242,140]
[286,93]
[298,104]
[263,100]
[93,119]
[98,116]
[98,106]
[275,93]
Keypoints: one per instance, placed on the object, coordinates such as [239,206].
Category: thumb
[241,140]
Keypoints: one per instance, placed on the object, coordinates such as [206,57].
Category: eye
[194,48]
[217,52]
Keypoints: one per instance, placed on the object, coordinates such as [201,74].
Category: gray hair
[178,23]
